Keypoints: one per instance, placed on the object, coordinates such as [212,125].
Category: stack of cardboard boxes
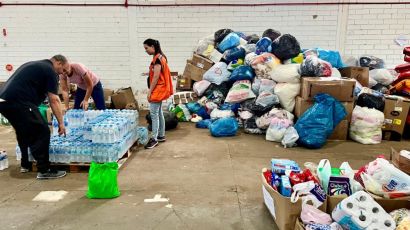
[396,110]
[194,70]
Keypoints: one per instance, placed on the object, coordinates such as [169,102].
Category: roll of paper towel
[360,211]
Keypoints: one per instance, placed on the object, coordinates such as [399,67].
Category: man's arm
[55,105]
[89,91]
[64,88]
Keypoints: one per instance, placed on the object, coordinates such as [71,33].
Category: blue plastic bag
[203,113]
[204,124]
[319,121]
[235,53]
[243,72]
[229,106]
[231,40]
[331,56]
[224,127]
[263,45]
[193,107]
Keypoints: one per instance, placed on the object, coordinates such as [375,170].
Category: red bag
[406,50]
[407,58]
[403,68]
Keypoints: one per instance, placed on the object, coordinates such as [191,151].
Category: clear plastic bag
[313,66]
[277,129]
[201,86]
[371,61]
[382,76]
[366,125]
[217,74]
[290,137]
[267,99]
[204,43]
[263,122]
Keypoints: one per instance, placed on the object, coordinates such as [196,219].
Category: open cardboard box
[400,162]
[283,211]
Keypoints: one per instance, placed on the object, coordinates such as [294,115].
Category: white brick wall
[109,39]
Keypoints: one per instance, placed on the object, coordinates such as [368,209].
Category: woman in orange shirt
[160,88]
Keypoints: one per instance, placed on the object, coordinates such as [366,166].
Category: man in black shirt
[20,97]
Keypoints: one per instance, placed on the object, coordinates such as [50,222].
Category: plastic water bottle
[55,126]
[4,161]
[18,153]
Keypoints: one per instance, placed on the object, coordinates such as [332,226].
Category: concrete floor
[211,183]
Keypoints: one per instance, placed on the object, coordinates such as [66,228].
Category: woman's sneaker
[151,143]
[161,139]
[24,170]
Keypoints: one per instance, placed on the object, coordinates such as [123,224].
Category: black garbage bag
[223,88]
[380,88]
[313,66]
[252,39]
[251,127]
[272,34]
[371,101]
[258,110]
[220,35]
[372,62]
[171,120]
[285,47]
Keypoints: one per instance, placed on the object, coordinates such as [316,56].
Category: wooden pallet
[85,167]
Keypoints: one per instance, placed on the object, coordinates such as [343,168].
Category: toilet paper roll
[351,217]
[383,221]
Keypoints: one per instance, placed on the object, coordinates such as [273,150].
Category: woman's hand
[84,105]
[149,96]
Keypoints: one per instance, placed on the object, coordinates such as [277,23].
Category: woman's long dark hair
[156,45]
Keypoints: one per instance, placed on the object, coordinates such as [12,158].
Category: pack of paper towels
[359,211]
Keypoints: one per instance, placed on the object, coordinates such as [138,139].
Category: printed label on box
[200,65]
[388,121]
[397,121]
[400,109]
[269,201]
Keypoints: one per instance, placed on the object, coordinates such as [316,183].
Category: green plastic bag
[43,111]
[102,181]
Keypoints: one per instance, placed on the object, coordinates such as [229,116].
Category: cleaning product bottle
[324,172]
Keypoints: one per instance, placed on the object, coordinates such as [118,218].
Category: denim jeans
[158,121]
[97,95]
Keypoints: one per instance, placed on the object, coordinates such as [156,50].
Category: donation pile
[265,83]
[324,197]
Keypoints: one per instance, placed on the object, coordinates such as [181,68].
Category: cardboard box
[202,62]
[340,132]
[396,110]
[184,84]
[299,225]
[282,210]
[361,74]
[400,162]
[124,98]
[107,94]
[192,72]
[341,89]
[302,105]
[184,97]
[215,56]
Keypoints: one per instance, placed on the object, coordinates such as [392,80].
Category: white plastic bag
[287,93]
[336,73]
[240,91]
[263,64]
[217,113]
[261,85]
[204,43]
[263,122]
[267,99]
[201,86]
[381,76]
[290,137]
[286,73]
[366,125]
[217,74]
[249,58]
[277,129]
